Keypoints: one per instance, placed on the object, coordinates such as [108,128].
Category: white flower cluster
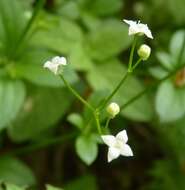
[117,144]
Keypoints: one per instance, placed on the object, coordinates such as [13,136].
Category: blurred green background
[42,138]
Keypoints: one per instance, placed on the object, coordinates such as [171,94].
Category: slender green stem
[114,91]
[76,94]
[42,144]
[107,122]
[137,63]
[124,77]
[133,99]
[132,54]
[96,116]
[156,83]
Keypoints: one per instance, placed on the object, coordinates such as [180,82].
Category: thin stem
[115,90]
[156,83]
[41,145]
[96,116]
[132,54]
[137,63]
[124,77]
[133,99]
[107,122]
[76,94]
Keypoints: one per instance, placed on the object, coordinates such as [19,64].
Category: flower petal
[125,150]
[148,33]
[63,60]
[47,64]
[130,22]
[122,136]
[109,140]
[113,153]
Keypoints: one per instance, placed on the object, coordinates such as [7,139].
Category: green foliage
[171,93]
[38,115]
[86,148]
[16,172]
[76,120]
[12,94]
[109,7]
[108,40]
[12,21]
[171,108]
[84,181]
[10,186]
[49,187]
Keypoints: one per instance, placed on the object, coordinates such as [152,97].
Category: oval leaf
[86,149]
[12,94]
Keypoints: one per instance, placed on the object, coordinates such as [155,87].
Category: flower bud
[144,52]
[113,109]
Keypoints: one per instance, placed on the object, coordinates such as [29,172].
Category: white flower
[117,145]
[138,28]
[113,109]
[55,64]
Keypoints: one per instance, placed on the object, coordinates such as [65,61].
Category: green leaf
[105,8]
[170,102]
[79,58]
[69,9]
[82,182]
[91,21]
[158,72]
[60,37]
[177,44]
[49,187]
[108,39]
[107,75]
[12,94]
[10,186]
[86,148]
[15,172]
[76,120]
[166,60]
[31,68]
[43,108]
[13,22]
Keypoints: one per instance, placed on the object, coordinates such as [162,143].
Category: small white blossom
[55,64]
[113,109]
[144,52]
[117,145]
[138,28]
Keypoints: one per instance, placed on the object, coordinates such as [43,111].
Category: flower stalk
[76,94]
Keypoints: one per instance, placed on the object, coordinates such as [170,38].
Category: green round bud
[113,109]
[144,52]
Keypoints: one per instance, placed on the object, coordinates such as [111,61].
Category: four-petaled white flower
[55,64]
[138,28]
[117,145]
